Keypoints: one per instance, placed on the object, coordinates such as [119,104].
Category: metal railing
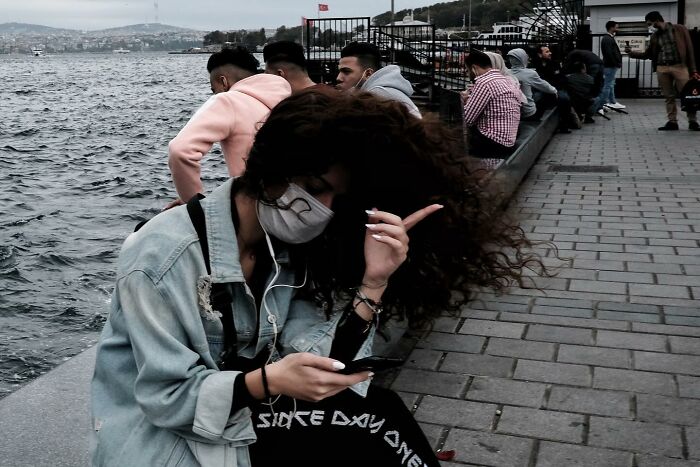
[429,61]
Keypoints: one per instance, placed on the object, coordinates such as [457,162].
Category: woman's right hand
[309,377]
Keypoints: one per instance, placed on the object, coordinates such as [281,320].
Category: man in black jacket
[594,68]
[612,62]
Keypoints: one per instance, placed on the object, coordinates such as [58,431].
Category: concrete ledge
[532,139]
[47,422]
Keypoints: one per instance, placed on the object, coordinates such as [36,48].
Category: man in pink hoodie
[241,102]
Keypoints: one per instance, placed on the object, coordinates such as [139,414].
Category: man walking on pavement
[612,62]
[671,53]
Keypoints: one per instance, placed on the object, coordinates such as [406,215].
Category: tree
[215,37]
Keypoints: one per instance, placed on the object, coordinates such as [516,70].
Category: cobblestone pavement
[603,369]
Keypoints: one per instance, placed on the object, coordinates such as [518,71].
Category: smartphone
[371,364]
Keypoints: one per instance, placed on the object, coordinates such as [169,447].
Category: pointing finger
[416,217]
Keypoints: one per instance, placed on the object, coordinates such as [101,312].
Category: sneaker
[616,105]
[694,126]
[601,112]
[670,126]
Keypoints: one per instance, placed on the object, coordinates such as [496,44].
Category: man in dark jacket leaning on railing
[672,57]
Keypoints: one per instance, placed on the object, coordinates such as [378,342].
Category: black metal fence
[429,60]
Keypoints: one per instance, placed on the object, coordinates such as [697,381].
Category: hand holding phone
[373,363]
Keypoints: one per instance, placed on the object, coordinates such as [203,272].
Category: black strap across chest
[221,297]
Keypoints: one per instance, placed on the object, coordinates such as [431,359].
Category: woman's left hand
[386,243]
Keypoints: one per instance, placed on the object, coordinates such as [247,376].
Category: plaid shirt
[494,107]
[668,52]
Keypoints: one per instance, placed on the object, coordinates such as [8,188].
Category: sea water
[83,159]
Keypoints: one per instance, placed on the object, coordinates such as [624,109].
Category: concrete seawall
[47,422]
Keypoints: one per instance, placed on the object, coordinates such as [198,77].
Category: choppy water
[83,158]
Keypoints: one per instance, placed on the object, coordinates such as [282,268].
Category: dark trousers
[486,148]
[561,101]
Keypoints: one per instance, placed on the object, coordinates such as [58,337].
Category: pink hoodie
[231,118]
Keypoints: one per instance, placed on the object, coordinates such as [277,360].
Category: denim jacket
[158,397]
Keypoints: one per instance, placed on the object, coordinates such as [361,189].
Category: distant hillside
[451,14]
[145,28]
[24,28]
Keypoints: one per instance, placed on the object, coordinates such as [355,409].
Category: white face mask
[302,222]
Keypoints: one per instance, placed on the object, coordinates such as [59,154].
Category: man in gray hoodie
[529,81]
[360,68]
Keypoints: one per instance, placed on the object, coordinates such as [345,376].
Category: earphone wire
[271,318]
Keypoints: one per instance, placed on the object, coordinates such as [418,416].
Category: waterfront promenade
[600,370]
[603,368]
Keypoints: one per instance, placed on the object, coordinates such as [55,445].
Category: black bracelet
[266,388]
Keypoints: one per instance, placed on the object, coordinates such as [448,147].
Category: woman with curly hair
[233,317]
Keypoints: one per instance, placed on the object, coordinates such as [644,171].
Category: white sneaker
[616,105]
[601,112]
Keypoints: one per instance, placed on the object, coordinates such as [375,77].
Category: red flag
[322,7]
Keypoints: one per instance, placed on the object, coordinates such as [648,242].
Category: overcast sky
[198,14]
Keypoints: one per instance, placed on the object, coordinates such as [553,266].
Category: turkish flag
[322,7]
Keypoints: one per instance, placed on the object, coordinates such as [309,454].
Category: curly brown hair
[397,163]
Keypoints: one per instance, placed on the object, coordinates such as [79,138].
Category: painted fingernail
[370,212]
[376,237]
[371,226]
[338,365]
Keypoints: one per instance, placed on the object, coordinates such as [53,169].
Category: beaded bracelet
[375,307]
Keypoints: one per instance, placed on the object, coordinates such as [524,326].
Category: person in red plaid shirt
[492,109]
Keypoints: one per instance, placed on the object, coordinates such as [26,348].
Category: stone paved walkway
[603,369]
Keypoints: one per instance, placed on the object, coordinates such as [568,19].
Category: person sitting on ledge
[360,68]
[530,81]
[228,335]
[491,110]
[579,85]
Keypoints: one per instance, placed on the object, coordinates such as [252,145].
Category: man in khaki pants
[671,54]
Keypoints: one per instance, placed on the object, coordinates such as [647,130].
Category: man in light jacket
[241,102]
[360,68]
[672,57]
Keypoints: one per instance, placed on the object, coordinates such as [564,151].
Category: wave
[27,132]
[14,149]
[55,259]
[15,275]
[118,180]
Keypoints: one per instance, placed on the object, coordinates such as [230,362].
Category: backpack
[690,96]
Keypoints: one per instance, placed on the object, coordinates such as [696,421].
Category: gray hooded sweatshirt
[388,83]
[529,80]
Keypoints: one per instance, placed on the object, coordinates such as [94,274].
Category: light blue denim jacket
[158,397]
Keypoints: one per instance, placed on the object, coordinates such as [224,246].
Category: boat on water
[121,51]
[37,51]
